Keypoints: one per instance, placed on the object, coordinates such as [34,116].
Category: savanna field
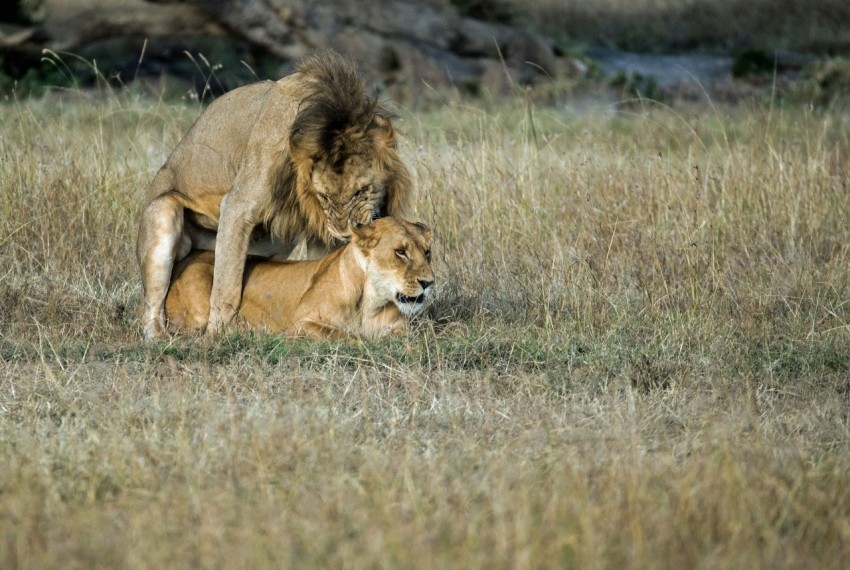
[639,355]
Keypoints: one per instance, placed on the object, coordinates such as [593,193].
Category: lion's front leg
[161,242]
[231,249]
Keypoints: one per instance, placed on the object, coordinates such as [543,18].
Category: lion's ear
[301,147]
[383,130]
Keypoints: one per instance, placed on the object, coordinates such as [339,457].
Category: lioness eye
[401,252]
[428,255]
[362,191]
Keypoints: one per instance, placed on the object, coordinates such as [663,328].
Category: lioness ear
[363,234]
[383,129]
[426,230]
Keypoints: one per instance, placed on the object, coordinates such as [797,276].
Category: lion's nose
[425,284]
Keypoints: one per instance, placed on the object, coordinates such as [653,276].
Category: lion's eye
[362,191]
[401,252]
[428,255]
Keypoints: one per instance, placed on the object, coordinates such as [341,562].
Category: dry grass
[640,357]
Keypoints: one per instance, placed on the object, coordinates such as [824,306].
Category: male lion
[364,288]
[264,167]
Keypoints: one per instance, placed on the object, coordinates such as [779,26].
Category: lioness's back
[269,287]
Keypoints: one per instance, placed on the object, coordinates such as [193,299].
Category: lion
[366,288]
[264,168]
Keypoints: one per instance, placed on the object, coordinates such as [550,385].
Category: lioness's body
[265,167]
[364,288]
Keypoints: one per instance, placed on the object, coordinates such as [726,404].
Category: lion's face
[397,256]
[353,192]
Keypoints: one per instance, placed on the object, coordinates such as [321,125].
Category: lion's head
[343,151]
[396,255]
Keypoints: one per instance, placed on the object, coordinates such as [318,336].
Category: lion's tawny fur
[365,288]
[265,167]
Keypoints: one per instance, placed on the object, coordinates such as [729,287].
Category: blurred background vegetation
[817,26]
[475,47]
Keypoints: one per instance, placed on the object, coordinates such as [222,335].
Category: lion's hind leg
[162,241]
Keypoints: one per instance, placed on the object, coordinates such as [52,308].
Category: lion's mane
[335,120]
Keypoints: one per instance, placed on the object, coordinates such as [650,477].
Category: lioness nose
[425,284]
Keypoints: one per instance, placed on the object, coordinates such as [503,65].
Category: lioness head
[396,255]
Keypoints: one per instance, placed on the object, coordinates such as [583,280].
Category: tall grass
[639,356]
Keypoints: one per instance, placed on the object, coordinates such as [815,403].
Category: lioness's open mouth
[405,299]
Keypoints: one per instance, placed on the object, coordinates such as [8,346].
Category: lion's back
[208,157]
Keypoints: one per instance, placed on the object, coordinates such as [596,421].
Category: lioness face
[398,255]
[351,192]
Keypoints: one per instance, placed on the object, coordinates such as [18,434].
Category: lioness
[366,288]
[263,168]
